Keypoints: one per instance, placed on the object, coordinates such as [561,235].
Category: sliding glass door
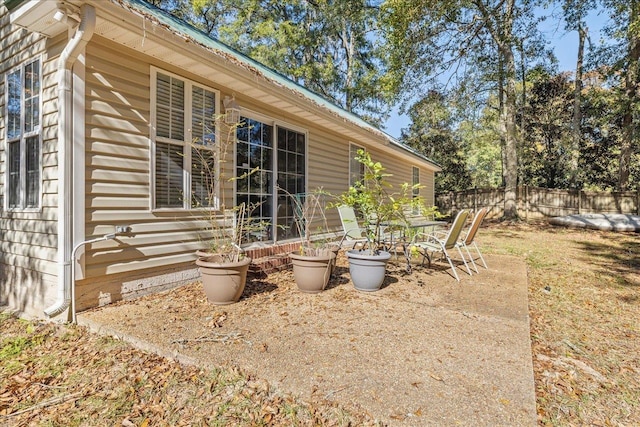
[270,162]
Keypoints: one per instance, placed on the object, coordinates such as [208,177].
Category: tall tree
[433,38]
[329,46]
[431,133]
[575,13]
[621,56]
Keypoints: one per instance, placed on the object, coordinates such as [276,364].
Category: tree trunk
[629,134]
[523,79]
[577,110]
[500,26]
[509,115]
[502,129]
[510,138]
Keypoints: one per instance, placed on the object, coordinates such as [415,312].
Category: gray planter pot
[223,282]
[367,271]
[312,273]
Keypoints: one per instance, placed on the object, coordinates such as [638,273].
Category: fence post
[638,201]
[579,201]
[475,199]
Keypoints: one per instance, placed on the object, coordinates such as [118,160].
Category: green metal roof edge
[206,40]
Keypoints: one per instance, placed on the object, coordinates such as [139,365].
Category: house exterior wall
[118,177]
[159,251]
[115,188]
[28,238]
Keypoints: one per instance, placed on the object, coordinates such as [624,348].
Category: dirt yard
[424,350]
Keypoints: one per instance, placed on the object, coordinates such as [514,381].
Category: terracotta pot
[312,273]
[223,282]
[367,271]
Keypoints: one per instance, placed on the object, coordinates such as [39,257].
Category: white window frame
[188,137]
[415,172]
[21,139]
[267,120]
[353,148]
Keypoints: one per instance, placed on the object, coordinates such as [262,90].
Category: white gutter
[65,151]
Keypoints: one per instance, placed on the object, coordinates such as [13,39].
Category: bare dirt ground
[424,350]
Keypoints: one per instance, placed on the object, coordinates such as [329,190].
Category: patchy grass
[584,299]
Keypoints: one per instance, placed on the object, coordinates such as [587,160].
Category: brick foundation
[271,259]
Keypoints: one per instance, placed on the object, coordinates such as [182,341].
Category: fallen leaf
[434,376]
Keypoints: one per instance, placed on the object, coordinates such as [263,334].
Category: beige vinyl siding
[28,239]
[329,168]
[118,165]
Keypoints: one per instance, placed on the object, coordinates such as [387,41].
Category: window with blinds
[23,136]
[356,169]
[416,181]
[415,175]
[185,139]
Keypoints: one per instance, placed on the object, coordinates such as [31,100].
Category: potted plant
[314,261]
[381,209]
[223,264]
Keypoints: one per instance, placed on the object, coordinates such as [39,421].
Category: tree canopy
[476,77]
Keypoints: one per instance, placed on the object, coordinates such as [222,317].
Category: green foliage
[329,46]
[483,150]
[545,151]
[600,143]
[13,347]
[377,201]
[431,133]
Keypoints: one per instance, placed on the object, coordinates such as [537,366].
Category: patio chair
[353,233]
[469,237]
[443,242]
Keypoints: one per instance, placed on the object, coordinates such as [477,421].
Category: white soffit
[38,17]
[190,58]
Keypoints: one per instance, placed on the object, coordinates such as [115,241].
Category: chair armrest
[356,235]
[439,234]
[426,237]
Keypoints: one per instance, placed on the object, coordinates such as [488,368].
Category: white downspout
[65,151]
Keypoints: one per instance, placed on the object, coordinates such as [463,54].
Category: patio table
[401,241]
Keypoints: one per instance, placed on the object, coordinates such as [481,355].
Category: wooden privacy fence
[536,202]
